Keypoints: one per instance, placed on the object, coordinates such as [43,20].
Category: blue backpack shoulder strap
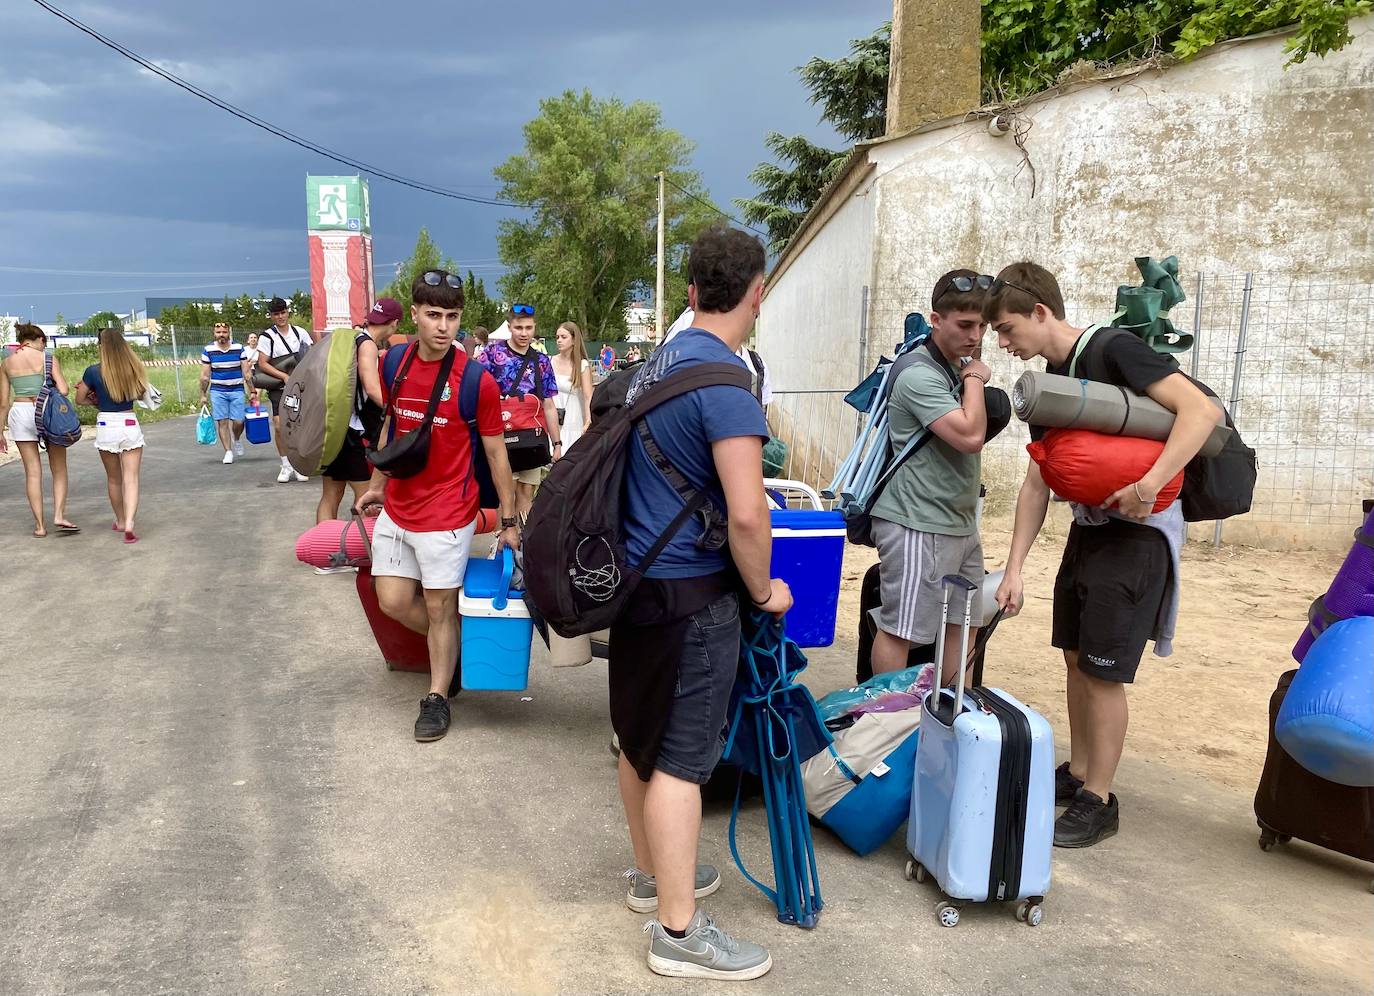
[468,391]
[392,363]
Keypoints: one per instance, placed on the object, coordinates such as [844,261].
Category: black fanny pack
[408,454]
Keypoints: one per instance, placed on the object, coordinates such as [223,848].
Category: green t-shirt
[935,491]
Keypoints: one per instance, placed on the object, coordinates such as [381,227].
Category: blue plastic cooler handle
[502,596]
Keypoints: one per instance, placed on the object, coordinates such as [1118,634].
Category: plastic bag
[205,428]
[892,691]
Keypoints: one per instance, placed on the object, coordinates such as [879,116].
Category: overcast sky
[110,170]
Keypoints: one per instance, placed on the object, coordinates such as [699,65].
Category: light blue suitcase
[982,805]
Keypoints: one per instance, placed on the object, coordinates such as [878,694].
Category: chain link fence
[1293,358]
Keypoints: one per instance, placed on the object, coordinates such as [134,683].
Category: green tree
[425,256]
[1026,45]
[479,308]
[852,94]
[588,176]
[101,320]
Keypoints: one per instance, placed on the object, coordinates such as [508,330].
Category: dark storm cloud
[108,168]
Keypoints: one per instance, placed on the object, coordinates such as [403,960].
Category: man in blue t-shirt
[224,370]
[675,649]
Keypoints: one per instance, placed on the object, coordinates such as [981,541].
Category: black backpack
[577,575]
[1215,487]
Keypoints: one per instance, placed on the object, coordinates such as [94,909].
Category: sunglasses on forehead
[522,309]
[963,284]
[434,278]
[999,283]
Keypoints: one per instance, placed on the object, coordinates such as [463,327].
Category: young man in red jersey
[423,534]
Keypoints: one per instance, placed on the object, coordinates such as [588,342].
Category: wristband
[973,373]
[761,604]
[508,523]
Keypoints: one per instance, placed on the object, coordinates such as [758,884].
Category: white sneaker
[300,477]
[284,474]
[238,447]
[228,457]
[336,570]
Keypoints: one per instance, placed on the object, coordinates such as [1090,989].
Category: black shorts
[671,675]
[1107,596]
[351,463]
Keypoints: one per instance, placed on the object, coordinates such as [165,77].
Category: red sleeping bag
[1090,467]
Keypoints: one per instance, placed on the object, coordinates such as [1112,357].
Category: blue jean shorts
[226,405]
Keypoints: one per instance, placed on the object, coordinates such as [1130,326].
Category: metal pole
[176,361]
[1236,371]
[1197,323]
[863,334]
[658,291]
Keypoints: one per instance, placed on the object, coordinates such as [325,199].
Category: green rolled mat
[774,456]
[1056,402]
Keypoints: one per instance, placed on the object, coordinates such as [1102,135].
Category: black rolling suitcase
[1293,802]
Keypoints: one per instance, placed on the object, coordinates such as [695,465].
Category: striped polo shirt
[226,366]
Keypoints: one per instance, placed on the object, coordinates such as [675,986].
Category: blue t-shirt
[684,429]
[92,379]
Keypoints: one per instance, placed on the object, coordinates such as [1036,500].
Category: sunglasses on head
[999,283]
[522,309]
[434,278]
[964,284]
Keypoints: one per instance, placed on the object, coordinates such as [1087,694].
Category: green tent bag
[318,401]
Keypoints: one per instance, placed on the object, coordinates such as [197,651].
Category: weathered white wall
[1230,162]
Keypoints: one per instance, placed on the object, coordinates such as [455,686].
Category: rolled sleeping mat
[1351,592]
[1057,402]
[1090,467]
[1326,722]
[336,543]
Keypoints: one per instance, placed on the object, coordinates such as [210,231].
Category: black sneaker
[1087,820]
[1066,784]
[433,721]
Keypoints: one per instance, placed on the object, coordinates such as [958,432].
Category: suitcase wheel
[1030,912]
[948,914]
[914,871]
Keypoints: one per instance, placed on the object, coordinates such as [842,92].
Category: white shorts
[437,560]
[23,428]
[117,432]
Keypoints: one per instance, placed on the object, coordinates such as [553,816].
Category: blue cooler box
[258,424]
[808,553]
[497,628]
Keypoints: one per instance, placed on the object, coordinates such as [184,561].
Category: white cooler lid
[481,608]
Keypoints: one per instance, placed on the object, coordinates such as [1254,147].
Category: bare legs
[33,483]
[1098,717]
[430,611]
[664,816]
[524,499]
[332,495]
[890,652]
[121,480]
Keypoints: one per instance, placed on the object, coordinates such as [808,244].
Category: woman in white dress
[574,373]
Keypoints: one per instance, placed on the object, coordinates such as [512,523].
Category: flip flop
[37,535]
[129,537]
[68,530]
[117,527]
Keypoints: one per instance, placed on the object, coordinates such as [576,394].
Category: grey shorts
[911,566]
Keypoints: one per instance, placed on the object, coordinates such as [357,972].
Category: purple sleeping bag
[1351,593]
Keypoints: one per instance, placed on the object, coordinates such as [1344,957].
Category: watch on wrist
[508,522]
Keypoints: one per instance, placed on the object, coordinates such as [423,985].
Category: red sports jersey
[444,494]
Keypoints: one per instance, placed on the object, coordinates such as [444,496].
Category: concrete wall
[1230,162]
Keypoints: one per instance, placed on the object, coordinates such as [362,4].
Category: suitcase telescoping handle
[949,582]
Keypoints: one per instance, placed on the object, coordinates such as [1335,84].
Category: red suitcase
[1293,802]
[402,649]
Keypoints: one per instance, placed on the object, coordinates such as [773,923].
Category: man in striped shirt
[224,371]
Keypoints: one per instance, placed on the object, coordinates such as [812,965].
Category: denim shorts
[695,734]
[226,405]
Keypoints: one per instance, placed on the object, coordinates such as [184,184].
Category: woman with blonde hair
[113,385]
[574,373]
[21,378]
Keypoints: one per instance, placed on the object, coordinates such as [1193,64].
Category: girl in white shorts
[112,385]
[21,378]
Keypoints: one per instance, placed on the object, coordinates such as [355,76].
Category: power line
[258,122]
[702,200]
[158,273]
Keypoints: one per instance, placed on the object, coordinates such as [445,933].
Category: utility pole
[658,292]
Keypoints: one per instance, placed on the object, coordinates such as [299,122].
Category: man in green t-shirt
[924,523]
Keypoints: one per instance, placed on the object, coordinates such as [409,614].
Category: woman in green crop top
[21,378]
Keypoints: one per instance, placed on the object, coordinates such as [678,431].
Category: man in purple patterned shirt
[519,360]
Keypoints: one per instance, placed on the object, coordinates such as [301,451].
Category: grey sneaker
[643,894]
[707,952]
